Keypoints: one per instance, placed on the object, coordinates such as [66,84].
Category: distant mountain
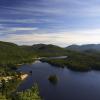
[86,48]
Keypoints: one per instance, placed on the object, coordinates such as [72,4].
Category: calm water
[71,85]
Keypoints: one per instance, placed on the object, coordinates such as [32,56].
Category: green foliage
[8,91]
[12,53]
[77,61]
[53,79]
[3,97]
[8,87]
[43,50]
[30,94]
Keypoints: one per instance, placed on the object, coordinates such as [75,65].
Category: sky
[58,22]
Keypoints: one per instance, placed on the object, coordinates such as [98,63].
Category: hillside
[12,53]
[45,50]
[86,48]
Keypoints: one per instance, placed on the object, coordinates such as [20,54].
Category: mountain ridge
[86,47]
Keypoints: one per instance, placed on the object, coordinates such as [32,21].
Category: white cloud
[34,20]
[61,38]
[13,30]
[23,29]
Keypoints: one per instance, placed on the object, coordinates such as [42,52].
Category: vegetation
[7,87]
[12,55]
[7,92]
[43,50]
[87,47]
[53,79]
[77,61]
[30,94]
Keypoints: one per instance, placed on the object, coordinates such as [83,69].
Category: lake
[71,85]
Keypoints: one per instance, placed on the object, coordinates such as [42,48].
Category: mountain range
[86,48]
[12,52]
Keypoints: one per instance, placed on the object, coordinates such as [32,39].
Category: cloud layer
[62,38]
[60,22]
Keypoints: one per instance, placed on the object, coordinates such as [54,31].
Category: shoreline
[6,78]
[24,76]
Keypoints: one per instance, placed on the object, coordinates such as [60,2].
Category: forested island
[12,56]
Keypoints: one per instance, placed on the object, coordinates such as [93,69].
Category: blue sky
[59,22]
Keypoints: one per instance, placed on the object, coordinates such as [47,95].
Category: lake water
[71,85]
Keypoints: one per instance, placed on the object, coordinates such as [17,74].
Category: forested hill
[45,50]
[15,54]
[12,53]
